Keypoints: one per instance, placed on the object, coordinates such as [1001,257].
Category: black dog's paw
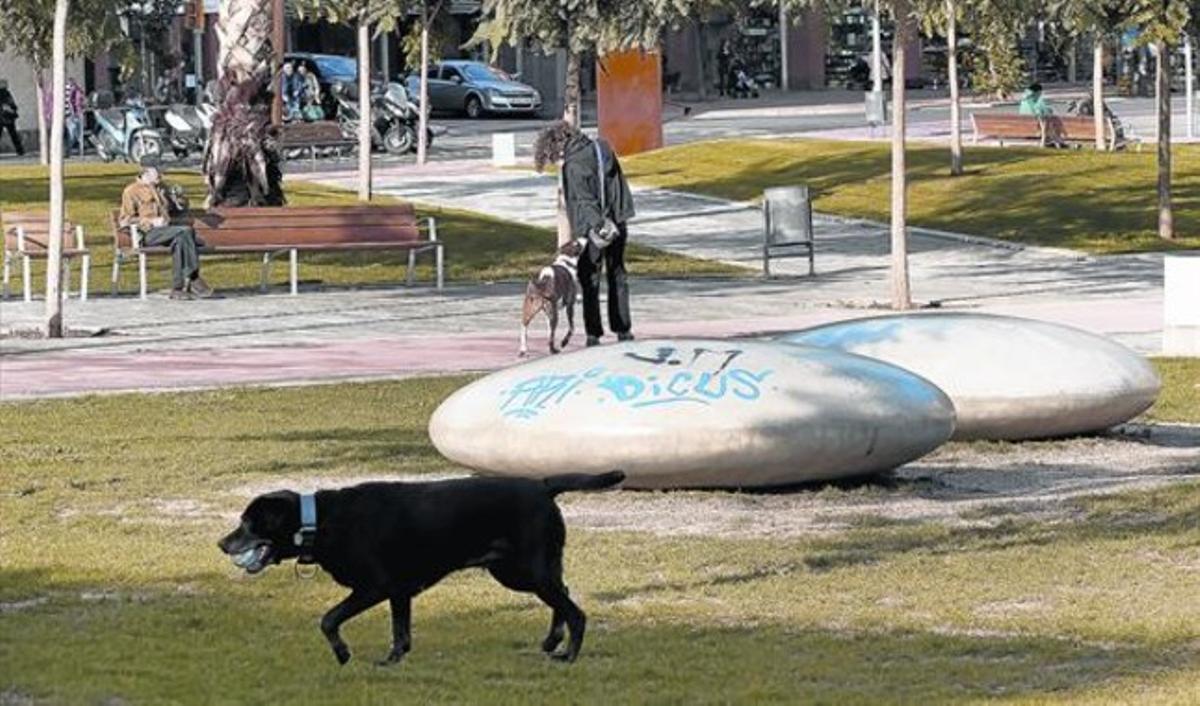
[564,657]
[342,653]
[394,657]
[551,643]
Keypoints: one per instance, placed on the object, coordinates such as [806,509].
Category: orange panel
[629,98]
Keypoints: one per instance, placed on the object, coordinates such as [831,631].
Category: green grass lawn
[1180,397]
[478,248]
[112,589]
[1097,202]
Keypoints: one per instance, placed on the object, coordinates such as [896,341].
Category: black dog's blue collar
[306,537]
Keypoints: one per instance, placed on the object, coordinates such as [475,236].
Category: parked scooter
[394,118]
[188,127]
[126,131]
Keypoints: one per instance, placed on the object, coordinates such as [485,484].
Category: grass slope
[478,248]
[1097,202]
[112,589]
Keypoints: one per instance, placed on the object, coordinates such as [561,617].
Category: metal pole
[784,78]
[1190,84]
[198,51]
[277,46]
[876,51]
[385,59]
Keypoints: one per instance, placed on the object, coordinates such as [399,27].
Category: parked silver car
[474,88]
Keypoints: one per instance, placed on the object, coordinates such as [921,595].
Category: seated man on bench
[149,204]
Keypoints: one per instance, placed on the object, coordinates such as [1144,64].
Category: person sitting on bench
[148,203]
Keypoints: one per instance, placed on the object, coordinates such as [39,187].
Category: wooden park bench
[27,236]
[1001,127]
[311,137]
[273,231]
[1052,129]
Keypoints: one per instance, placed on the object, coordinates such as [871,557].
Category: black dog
[391,541]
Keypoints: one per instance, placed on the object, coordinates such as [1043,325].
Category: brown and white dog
[553,287]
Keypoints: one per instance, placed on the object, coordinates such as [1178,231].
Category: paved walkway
[396,332]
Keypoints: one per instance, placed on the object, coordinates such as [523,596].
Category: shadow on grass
[257,641]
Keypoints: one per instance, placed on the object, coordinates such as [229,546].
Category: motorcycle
[188,127]
[394,118]
[125,132]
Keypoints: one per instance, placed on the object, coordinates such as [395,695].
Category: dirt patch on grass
[975,484]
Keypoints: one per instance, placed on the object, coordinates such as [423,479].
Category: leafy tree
[27,30]
[580,27]
[1105,20]
[362,14]
[1161,24]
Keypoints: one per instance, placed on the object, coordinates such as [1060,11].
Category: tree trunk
[246,66]
[901,295]
[54,313]
[698,37]
[364,110]
[423,100]
[571,90]
[43,132]
[956,150]
[1166,219]
[1098,89]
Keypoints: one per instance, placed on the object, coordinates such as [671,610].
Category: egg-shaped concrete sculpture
[695,413]
[1009,378]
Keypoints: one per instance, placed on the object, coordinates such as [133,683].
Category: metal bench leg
[116,273]
[264,281]
[26,278]
[441,272]
[812,260]
[66,277]
[294,266]
[412,262]
[142,275]
[85,272]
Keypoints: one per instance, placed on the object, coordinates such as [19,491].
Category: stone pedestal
[1181,305]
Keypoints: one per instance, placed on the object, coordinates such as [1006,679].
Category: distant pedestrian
[291,88]
[599,204]
[8,118]
[74,105]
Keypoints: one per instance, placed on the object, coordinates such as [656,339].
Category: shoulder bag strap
[600,173]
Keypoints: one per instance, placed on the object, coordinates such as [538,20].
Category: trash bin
[876,108]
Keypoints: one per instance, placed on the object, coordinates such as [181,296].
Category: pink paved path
[101,370]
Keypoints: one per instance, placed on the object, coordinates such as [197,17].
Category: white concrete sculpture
[695,413]
[1009,378]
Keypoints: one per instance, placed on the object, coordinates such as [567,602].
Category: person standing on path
[8,118]
[599,204]
[149,204]
[74,111]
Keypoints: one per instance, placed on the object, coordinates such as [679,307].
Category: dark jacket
[581,190]
[8,107]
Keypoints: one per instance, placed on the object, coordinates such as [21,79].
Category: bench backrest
[1077,127]
[310,225]
[323,131]
[35,227]
[1006,125]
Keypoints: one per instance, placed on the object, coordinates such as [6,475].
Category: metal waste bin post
[876,108]
[787,225]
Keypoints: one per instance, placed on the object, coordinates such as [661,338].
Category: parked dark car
[331,69]
[474,88]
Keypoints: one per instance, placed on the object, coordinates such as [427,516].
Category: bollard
[1181,305]
[504,149]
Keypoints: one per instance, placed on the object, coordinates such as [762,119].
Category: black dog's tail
[582,481]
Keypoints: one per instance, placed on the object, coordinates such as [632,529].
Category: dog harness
[307,536]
